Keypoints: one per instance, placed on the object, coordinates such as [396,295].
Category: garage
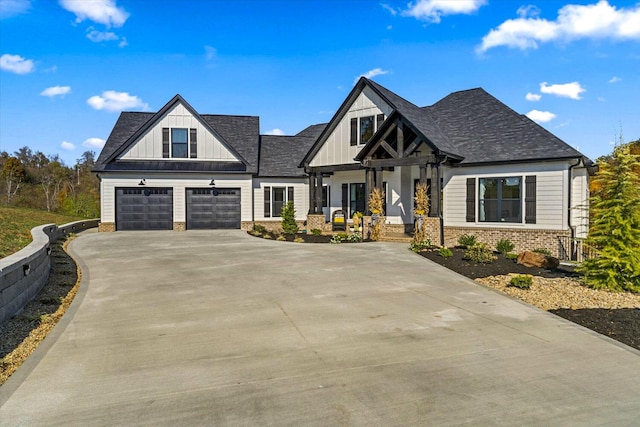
[213,208]
[144,208]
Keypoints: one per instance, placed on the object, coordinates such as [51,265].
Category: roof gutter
[441,159]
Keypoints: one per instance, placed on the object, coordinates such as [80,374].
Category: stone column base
[179,226]
[106,227]
[315,221]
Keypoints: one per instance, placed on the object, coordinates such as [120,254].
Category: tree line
[34,180]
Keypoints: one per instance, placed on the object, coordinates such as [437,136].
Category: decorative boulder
[534,259]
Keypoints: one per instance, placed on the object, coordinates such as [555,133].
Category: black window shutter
[290,194]
[354,132]
[471,199]
[193,139]
[328,196]
[345,197]
[267,202]
[165,143]
[530,200]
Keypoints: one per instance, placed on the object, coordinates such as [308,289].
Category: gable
[336,148]
[148,146]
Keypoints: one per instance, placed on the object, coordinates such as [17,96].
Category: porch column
[368,186]
[318,204]
[379,179]
[423,174]
[435,192]
[312,194]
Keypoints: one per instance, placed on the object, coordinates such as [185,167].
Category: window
[179,143]
[500,199]
[326,196]
[274,200]
[356,198]
[363,128]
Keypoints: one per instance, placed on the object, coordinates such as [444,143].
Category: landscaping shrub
[289,224]
[420,210]
[420,246]
[542,251]
[281,238]
[298,240]
[467,240]
[511,256]
[504,246]
[521,281]
[376,202]
[316,231]
[480,253]
[260,229]
[445,252]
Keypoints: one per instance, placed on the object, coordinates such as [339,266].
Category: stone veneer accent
[316,221]
[179,226]
[106,227]
[523,239]
[246,226]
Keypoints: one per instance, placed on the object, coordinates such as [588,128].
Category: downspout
[440,216]
[572,230]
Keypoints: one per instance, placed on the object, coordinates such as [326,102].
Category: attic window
[179,143]
[363,128]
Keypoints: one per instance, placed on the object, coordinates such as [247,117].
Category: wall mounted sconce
[143,182]
[213,183]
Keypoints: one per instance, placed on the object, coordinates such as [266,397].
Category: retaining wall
[24,273]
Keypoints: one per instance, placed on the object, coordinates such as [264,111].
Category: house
[491,172]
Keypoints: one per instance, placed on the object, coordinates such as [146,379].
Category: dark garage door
[210,208]
[144,209]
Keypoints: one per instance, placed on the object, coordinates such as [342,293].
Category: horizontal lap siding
[551,189]
[580,202]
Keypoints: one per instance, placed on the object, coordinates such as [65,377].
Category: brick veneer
[179,226]
[524,239]
[106,227]
[316,221]
[275,226]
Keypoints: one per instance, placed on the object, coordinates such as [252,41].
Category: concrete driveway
[220,328]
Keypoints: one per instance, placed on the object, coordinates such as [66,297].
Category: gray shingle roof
[281,155]
[126,125]
[484,130]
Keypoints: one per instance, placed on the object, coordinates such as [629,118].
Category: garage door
[144,208]
[210,208]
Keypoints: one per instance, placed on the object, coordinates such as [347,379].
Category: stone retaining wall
[24,273]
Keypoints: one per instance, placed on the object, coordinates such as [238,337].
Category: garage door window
[274,200]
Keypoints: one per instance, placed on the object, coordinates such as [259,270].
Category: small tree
[615,227]
[13,174]
[289,224]
[421,209]
[376,204]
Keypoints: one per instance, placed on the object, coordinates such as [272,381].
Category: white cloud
[568,90]
[389,9]
[101,36]
[533,97]
[275,131]
[595,21]
[372,73]
[67,146]
[615,79]
[94,143]
[116,101]
[433,10]
[16,64]
[56,91]
[101,11]
[210,53]
[540,116]
[123,42]
[9,8]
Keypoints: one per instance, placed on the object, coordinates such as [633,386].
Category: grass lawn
[16,225]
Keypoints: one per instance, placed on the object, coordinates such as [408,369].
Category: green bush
[511,256]
[289,224]
[480,253]
[504,246]
[420,246]
[316,231]
[445,252]
[260,229]
[542,251]
[521,281]
[467,240]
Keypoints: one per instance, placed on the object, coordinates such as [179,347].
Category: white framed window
[500,199]
[275,198]
[363,128]
[179,143]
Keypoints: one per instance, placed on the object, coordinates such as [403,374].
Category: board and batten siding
[300,196]
[336,149]
[179,183]
[149,146]
[551,194]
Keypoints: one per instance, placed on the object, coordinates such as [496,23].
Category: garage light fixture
[143,182]
[213,183]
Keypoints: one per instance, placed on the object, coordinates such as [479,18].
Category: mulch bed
[622,325]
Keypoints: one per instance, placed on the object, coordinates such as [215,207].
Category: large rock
[535,259]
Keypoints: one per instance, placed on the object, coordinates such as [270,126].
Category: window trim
[500,199]
[269,202]
[355,127]
[191,143]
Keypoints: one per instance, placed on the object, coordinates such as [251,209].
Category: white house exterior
[491,172]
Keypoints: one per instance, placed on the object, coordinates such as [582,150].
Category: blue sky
[68,67]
